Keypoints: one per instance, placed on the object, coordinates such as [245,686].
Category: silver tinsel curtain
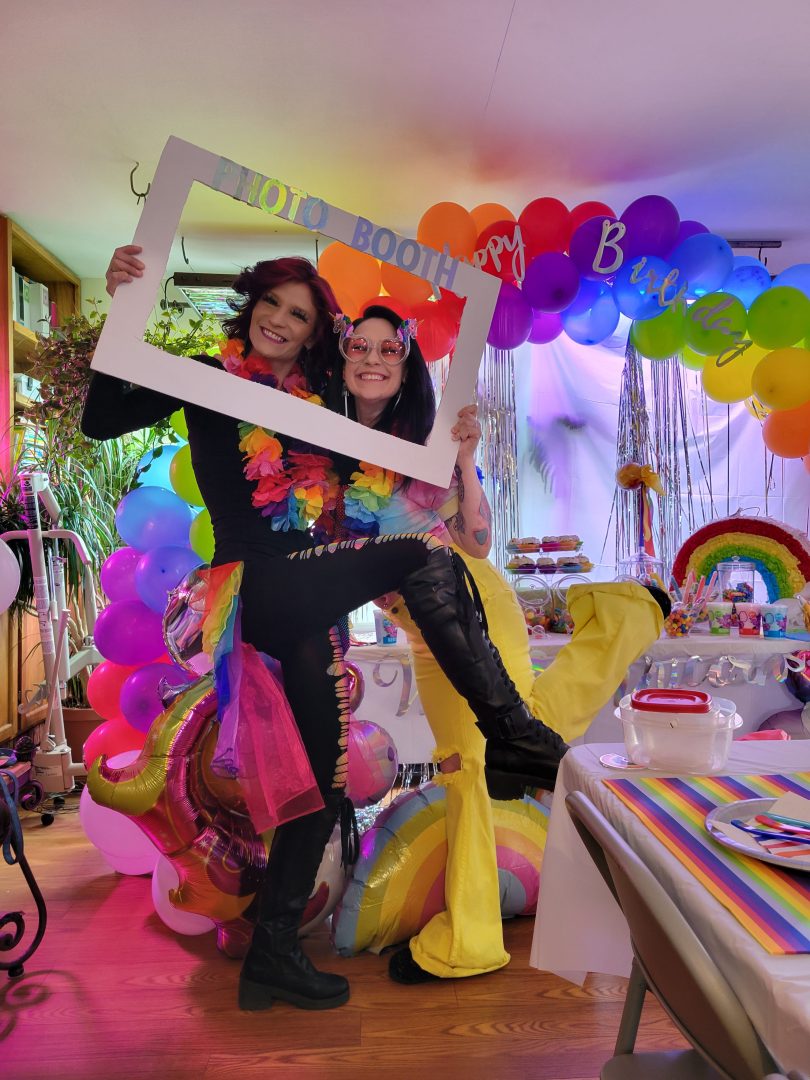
[656,436]
[497,452]
[497,455]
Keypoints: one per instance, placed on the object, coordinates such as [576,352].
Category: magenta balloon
[652,226]
[546,326]
[512,319]
[141,699]
[551,282]
[118,574]
[584,247]
[127,632]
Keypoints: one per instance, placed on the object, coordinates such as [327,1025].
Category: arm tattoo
[457,522]
[482,535]
[460,480]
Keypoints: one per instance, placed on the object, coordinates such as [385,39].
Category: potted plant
[88,478]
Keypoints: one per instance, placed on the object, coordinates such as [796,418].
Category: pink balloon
[110,738]
[373,762]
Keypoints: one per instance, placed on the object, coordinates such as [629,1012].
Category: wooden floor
[113,993]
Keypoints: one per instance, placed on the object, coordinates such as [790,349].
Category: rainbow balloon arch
[578,271]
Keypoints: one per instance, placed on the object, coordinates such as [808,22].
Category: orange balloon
[446,224]
[806,463]
[351,273]
[405,286]
[787,433]
[489,212]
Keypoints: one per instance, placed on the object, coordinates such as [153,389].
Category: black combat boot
[276,967]
[521,751]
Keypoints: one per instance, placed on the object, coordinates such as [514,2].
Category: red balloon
[585,211]
[451,304]
[545,225]
[104,688]
[497,252]
[111,738]
[436,332]
[405,311]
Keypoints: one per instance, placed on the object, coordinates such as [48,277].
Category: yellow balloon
[178,423]
[694,360]
[183,480]
[201,536]
[782,379]
[728,377]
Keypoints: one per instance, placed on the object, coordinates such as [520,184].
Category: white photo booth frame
[122,352]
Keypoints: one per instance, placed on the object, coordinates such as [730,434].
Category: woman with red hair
[263,491]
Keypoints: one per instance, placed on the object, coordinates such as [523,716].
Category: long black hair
[409,415]
[254,281]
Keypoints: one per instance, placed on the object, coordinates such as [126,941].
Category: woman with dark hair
[614,622]
[263,491]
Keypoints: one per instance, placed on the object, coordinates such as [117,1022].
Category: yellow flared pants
[613,624]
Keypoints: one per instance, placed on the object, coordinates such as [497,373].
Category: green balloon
[779,317]
[691,359]
[201,536]
[714,323]
[660,337]
[178,423]
[183,480]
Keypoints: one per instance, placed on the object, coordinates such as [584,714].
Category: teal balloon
[748,279]
[795,277]
[153,468]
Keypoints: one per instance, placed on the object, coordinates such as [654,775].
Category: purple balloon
[118,574]
[688,228]
[128,632]
[584,248]
[160,570]
[151,517]
[141,699]
[652,226]
[511,320]
[551,282]
[546,326]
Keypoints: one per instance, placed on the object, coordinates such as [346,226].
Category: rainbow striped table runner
[771,903]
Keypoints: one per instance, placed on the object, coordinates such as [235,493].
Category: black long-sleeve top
[114,407]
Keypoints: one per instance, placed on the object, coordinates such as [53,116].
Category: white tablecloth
[579,926]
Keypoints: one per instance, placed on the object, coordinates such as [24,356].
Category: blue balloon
[703,261]
[748,279]
[153,468]
[152,517]
[641,299]
[796,277]
[161,570]
[593,316]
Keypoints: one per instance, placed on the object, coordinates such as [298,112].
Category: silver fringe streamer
[497,453]
[658,437]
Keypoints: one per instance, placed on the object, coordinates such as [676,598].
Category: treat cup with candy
[680,620]
[774,620]
[719,614]
[749,618]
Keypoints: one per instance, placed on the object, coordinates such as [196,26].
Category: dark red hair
[253,283]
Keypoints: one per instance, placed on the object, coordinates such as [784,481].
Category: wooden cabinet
[17,344]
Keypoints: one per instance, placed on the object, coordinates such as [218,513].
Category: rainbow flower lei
[292,489]
[368,493]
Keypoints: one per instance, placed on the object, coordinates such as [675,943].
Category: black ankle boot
[276,967]
[521,752]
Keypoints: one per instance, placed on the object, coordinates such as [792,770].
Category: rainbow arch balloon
[398,881]
[780,553]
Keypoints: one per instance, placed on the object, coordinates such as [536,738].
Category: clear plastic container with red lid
[674,700]
[678,730]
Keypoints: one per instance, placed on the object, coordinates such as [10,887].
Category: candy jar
[641,567]
[736,580]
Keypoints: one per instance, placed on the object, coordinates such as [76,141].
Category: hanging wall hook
[138,194]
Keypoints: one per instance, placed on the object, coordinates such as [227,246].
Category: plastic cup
[719,614]
[749,618]
[774,620]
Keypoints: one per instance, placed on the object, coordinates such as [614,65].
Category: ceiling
[384,107]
